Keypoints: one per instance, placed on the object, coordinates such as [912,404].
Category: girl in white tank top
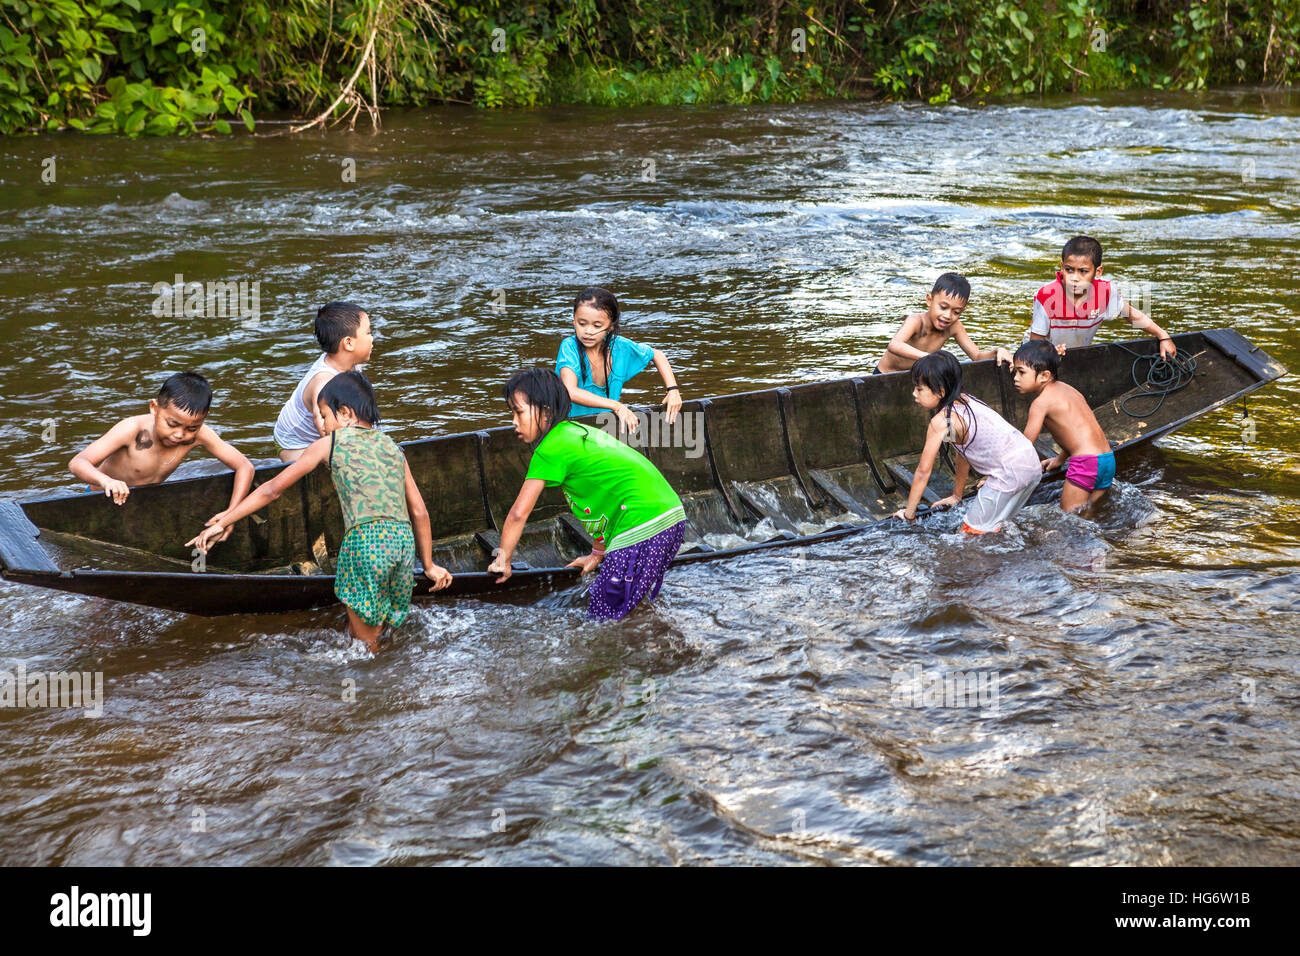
[984,441]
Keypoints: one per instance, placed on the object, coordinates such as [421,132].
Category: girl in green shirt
[634,517]
[380,502]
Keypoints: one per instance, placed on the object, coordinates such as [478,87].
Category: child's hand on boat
[1005,356]
[587,563]
[627,418]
[210,536]
[1051,464]
[1060,350]
[672,404]
[942,504]
[218,519]
[117,490]
[501,565]
[439,575]
[902,513]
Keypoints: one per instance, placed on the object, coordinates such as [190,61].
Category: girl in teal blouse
[596,362]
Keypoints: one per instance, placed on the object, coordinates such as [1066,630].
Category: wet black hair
[1040,355]
[952,284]
[351,390]
[1082,246]
[940,372]
[544,392]
[604,301]
[188,391]
[335,321]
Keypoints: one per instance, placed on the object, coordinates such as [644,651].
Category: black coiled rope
[1163,378]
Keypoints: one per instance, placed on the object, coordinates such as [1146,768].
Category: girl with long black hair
[597,360]
[635,519]
[983,439]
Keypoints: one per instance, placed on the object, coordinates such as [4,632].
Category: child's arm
[933,441]
[316,452]
[898,344]
[515,521]
[959,476]
[1142,322]
[977,354]
[1038,410]
[672,397]
[439,575]
[85,464]
[309,396]
[233,459]
[581,396]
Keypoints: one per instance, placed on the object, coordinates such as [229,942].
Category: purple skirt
[632,573]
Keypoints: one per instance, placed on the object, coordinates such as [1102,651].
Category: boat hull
[796,465]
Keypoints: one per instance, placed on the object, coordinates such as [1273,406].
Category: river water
[1137,674]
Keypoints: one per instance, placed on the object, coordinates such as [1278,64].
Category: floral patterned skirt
[631,574]
[374,572]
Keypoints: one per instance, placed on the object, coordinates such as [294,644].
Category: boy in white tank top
[343,331]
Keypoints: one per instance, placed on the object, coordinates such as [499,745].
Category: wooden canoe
[773,468]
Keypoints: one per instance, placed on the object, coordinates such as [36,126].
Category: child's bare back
[1064,412]
[1069,419]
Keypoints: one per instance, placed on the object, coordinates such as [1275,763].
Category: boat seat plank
[857,497]
[490,541]
[569,521]
[903,469]
[707,513]
[779,500]
[460,554]
[1250,357]
[19,550]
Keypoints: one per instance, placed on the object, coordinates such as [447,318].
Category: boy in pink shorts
[1063,410]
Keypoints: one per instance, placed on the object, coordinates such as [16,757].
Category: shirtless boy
[146,449]
[1065,413]
[926,332]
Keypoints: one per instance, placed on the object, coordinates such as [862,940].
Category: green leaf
[113,22]
[221,126]
[247,117]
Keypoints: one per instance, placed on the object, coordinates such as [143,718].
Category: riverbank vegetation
[172,66]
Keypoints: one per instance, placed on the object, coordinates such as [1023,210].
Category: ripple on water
[1137,669]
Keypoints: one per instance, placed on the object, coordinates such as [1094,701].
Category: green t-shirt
[617,494]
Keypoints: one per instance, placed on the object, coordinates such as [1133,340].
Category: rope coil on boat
[1163,378]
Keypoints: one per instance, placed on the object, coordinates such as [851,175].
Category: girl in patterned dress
[383,513]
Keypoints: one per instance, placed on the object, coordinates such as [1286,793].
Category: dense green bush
[159,66]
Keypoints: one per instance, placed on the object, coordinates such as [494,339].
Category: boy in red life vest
[1069,311]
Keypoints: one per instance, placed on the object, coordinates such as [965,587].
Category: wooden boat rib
[795,465]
